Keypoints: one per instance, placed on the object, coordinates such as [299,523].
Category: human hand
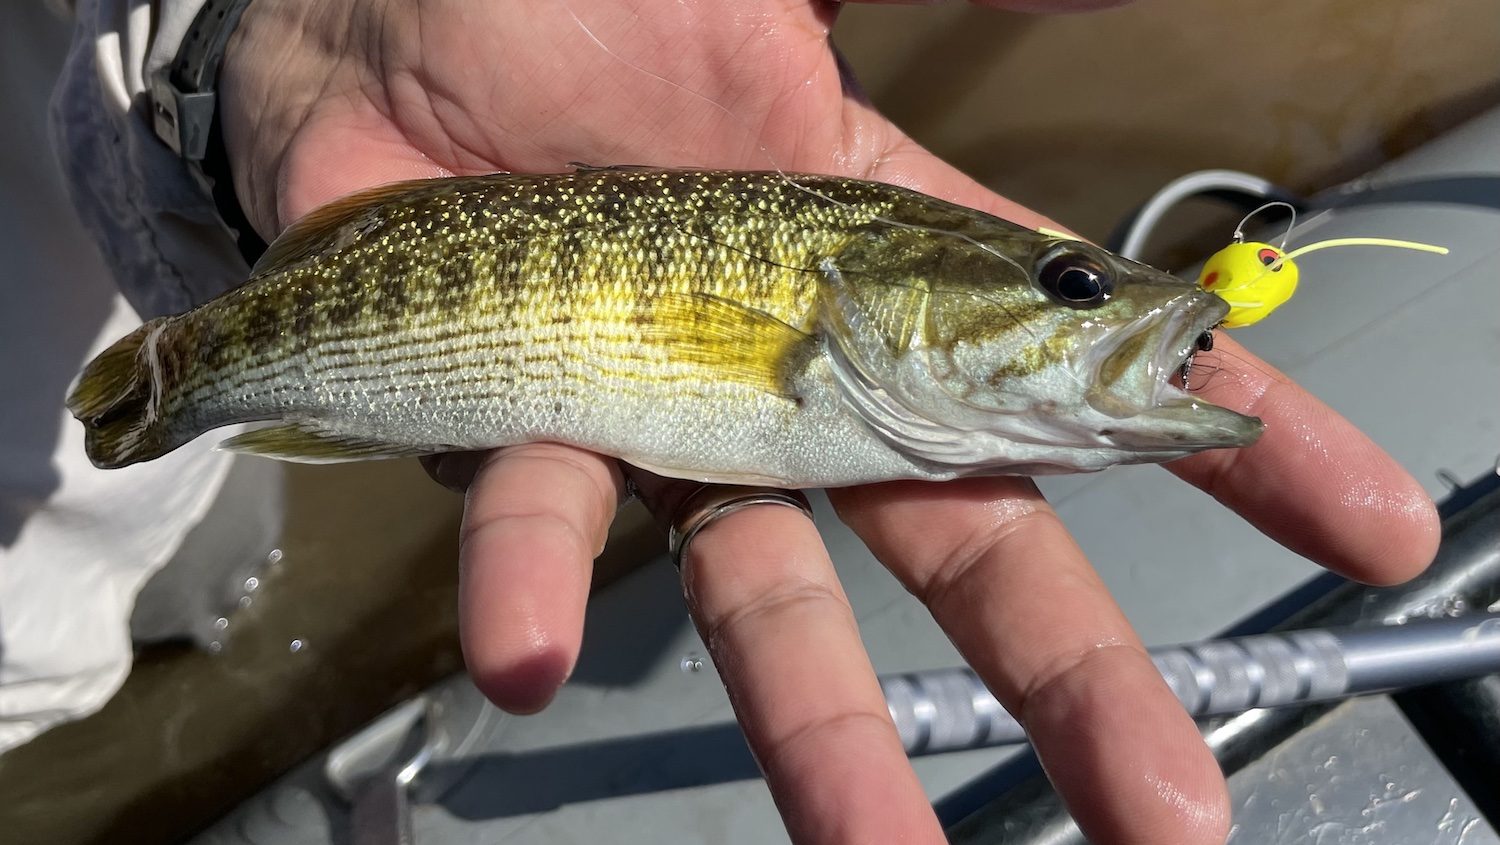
[324,99]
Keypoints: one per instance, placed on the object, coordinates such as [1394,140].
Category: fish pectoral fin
[306,444]
[326,225]
[727,340]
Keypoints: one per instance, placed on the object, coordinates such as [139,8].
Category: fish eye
[1269,257]
[1078,280]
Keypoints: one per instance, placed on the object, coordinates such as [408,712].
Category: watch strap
[184,106]
[184,93]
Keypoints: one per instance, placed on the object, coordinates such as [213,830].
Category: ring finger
[768,604]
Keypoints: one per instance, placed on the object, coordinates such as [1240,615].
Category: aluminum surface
[1358,776]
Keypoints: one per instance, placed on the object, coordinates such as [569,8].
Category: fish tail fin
[118,400]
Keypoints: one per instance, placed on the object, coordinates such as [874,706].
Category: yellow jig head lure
[1257,278]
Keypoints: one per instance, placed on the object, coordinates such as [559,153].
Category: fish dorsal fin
[727,340]
[329,225]
[585,167]
[305,443]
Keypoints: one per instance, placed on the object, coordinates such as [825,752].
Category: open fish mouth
[1188,332]
[1133,384]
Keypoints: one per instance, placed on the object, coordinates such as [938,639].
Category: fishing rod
[942,710]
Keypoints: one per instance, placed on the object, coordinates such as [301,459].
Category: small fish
[725,326]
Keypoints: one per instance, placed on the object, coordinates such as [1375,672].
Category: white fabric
[76,543]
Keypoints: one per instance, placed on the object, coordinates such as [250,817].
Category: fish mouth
[1134,384]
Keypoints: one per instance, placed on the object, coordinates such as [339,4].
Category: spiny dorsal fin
[324,226]
[306,444]
[726,339]
[585,167]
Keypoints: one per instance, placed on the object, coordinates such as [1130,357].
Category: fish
[792,330]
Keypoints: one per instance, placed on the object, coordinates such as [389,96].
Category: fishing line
[1215,366]
[1391,242]
[787,179]
[1201,374]
[1239,231]
[771,159]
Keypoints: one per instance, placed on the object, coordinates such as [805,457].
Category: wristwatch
[184,113]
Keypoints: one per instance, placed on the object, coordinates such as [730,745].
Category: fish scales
[723,326]
[597,261]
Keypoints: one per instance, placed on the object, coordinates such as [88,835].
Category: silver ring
[714,501]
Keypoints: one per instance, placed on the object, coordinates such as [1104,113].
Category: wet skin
[325,99]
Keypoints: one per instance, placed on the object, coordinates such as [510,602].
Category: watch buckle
[181,119]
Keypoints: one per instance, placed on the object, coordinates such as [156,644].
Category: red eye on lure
[1257,278]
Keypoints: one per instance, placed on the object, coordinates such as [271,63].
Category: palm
[759,89]
[432,88]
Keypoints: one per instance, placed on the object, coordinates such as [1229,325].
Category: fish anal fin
[326,225]
[306,444]
[727,340]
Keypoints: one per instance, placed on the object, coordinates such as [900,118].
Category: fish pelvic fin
[305,442]
[118,400]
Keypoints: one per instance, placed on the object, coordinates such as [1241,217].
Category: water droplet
[295,646]
[221,623]
[274,557]
[246,601]
[692,663]
[215,647]
[252,584]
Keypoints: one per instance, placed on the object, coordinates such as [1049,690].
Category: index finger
[1313,482]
